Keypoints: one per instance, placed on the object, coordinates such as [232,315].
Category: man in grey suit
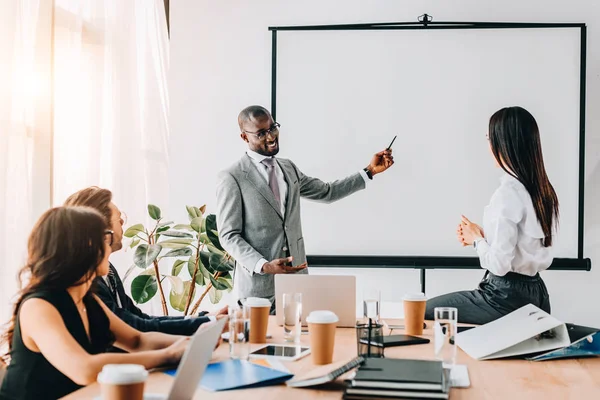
[258,205]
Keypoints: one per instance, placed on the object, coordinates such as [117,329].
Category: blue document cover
[585,342]
[238,374]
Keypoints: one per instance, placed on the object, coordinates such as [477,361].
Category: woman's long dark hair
[515,141]
[64,250]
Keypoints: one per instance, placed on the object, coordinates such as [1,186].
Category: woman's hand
[467,232]
[174,352]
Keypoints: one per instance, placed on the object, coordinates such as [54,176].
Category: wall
[220,63]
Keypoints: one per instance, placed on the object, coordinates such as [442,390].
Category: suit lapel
[254,177]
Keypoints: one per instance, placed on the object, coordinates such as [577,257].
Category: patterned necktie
[270,164]
[113,283]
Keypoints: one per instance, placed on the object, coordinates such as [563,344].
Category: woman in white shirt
[515,242]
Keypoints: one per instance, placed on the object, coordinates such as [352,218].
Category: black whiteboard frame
[423,262]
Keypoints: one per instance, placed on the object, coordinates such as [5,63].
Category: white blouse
[513,236]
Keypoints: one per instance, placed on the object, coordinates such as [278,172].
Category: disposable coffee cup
[122,381]
[414,313]
[321,328]
[259,310]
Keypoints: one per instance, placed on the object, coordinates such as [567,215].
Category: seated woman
[60,331]
[518,225]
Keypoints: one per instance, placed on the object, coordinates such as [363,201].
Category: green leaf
[183,226]
[178,300]
[176,284]
[219,263]
[200,278]
[211,231]
[148,271]
[177,267]
[134,230]
[162,224]
[184,252]
[218,285]
[176,243]
[214,250]
[205,257]
[196,223]
[143,288]
[134,243]
[146,254]
[177,234]
[192,212]
[163,229]
[203,237]
[129,271]
[154,212]
[215,295]
[225,282]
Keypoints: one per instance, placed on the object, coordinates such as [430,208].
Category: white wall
[215,73]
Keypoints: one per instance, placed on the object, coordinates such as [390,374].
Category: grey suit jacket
[250,223]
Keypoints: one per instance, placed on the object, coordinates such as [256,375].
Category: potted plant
[187,256]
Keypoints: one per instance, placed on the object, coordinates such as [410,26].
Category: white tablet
[280,351]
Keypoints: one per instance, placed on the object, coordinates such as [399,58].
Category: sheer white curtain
[111,103]
[25,122]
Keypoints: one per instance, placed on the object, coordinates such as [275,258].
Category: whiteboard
[343,95]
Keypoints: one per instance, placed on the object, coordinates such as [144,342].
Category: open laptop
[194,362]
[319,292]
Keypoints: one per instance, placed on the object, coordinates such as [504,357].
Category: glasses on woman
[273,130]
[108,237]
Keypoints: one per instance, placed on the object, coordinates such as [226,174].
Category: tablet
[282,352]
[399,340]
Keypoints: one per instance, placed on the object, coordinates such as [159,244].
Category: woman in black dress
[60,331]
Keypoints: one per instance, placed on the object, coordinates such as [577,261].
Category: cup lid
[322,317]
[122,374]
[257,302]
[415,296]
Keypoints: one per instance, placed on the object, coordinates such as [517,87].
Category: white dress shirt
[513,236]
[283,188]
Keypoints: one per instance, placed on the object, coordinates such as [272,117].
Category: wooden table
[501,379]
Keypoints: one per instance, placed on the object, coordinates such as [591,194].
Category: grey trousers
[495,297]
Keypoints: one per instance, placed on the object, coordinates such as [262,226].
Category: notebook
[320,379]
[400,374]
[239,374]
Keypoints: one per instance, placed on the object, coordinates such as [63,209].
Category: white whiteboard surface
[343,95]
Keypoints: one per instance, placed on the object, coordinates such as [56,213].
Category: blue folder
[238,374]
[585,342]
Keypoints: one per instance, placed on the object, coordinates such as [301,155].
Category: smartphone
[398,340]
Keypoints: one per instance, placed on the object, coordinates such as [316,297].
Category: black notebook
[400,374]
[328,377]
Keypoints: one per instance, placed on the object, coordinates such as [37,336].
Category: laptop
[319,292]
[194,362]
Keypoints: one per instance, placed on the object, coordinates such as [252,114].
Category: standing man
[110,288]
[258,205]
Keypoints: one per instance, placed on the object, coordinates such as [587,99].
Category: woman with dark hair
[60,331]
[515,242]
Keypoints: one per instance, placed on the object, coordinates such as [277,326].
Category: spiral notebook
[318,377]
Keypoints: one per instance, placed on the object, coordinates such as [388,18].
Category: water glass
[371,304]
[445,329]
[369,340]
[239,332]
[292,317]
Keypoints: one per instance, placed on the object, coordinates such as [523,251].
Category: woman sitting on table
[60,331]
[518,226]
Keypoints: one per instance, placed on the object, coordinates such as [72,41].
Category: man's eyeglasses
[273,130]
[108,237]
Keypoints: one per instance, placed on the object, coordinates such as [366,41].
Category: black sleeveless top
[29,375]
